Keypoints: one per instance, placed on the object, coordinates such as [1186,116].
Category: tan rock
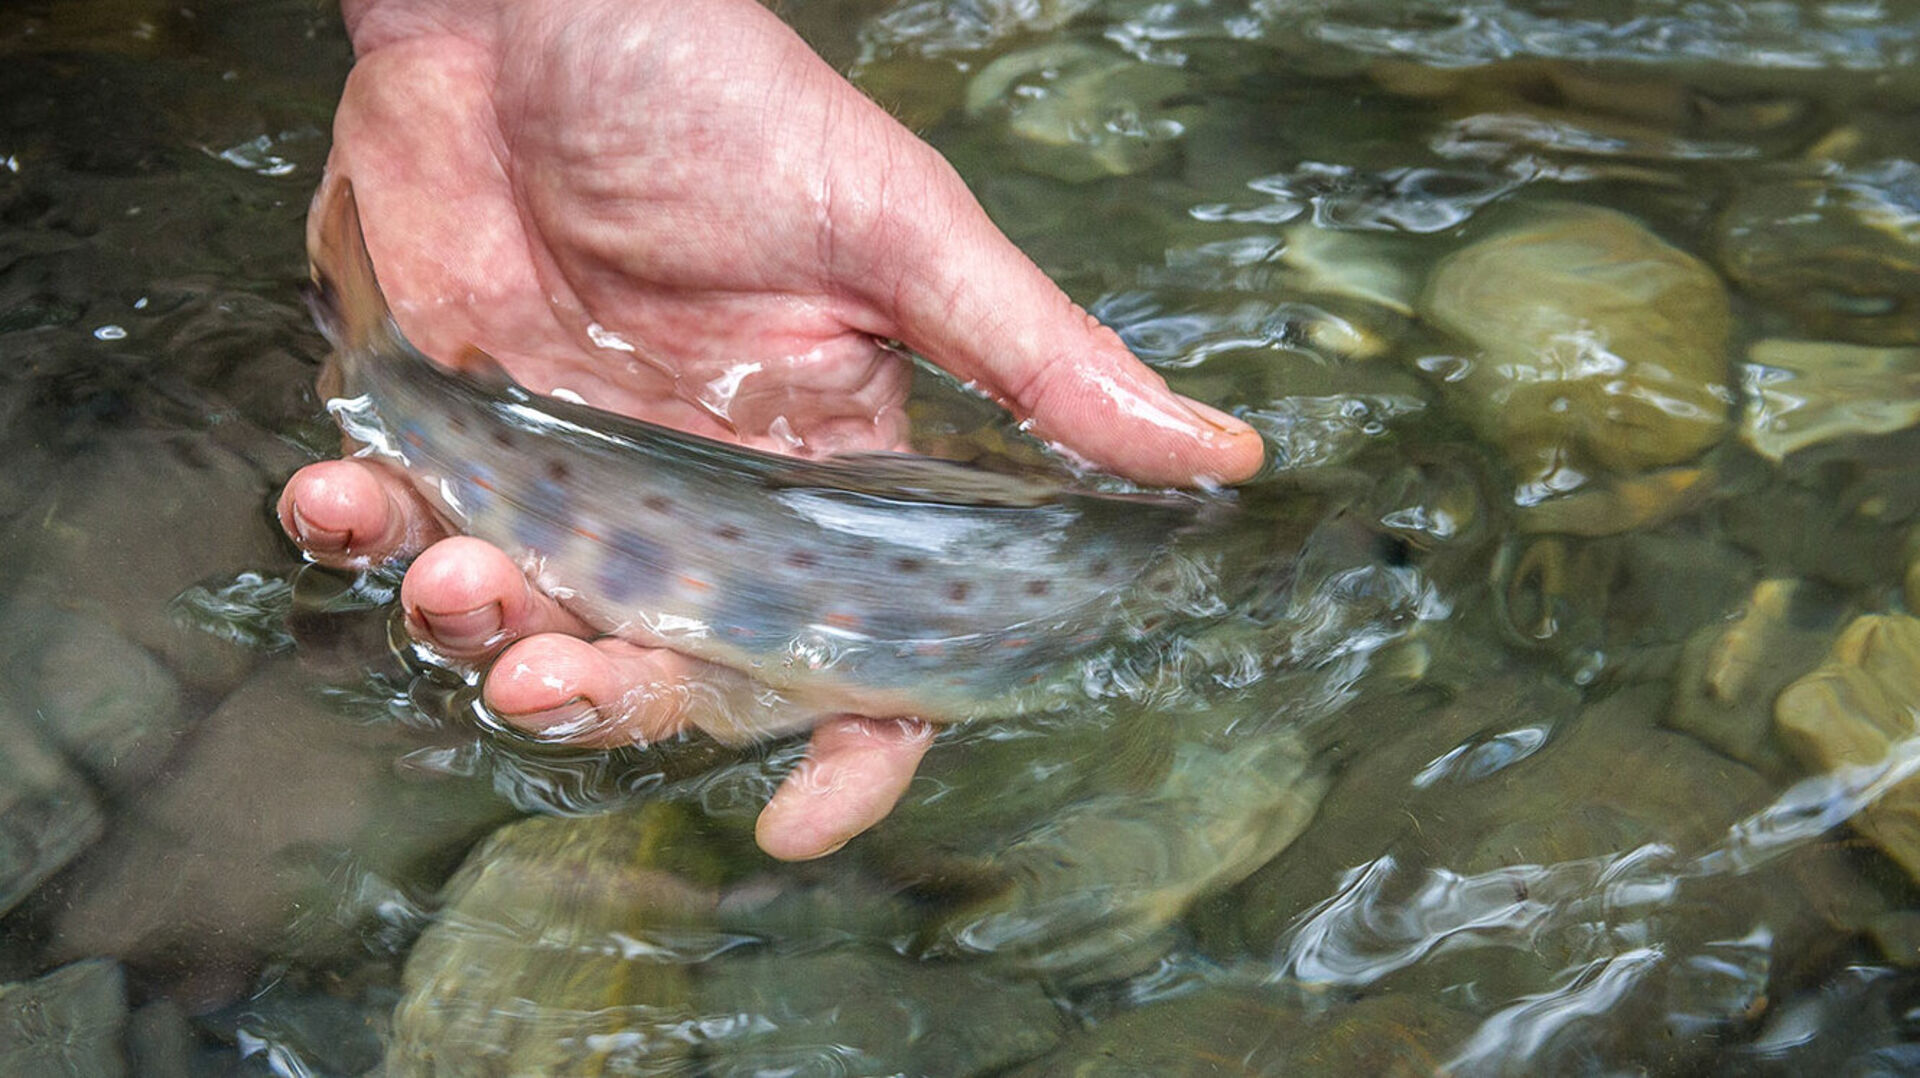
[1080,112]
[1803,393]
[1597,346]
[1858,709]
[1731,673]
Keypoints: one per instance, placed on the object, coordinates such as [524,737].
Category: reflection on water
[1568,726]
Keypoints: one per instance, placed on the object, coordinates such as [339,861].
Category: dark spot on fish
[502,439]
[1160,585]
[801,559]
[658,503]
[458,424]
[908,565]
[557,470]
[729,533]
[1038,587]
[1101,567]
[959,590]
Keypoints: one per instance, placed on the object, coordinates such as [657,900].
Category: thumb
[966,298]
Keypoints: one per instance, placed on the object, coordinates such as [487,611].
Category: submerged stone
[1225,1031]
[615,944]
[253,841]
[564,948]
[1858,710]
[1731,672]
[1597,346]
[1091,892]
[1804,393]
[104,699]
[1080,112]
[47,813]
[1839,250]
[1372,268]
[1912,582]
[161,1043]
[1613,506]
[882,1014]
[88,545]
[67,1024]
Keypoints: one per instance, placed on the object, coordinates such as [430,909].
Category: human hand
[679,212]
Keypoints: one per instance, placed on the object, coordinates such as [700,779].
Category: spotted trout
[878,583]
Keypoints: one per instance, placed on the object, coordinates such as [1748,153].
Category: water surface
[1565,728]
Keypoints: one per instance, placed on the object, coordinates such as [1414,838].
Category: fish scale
[880,584]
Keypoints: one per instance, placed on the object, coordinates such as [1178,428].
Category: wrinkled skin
[679,212]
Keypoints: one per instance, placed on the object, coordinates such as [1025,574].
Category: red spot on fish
[412,438]
[1015,642]
[482,484]
[589,535]
[845,621]
[696,583]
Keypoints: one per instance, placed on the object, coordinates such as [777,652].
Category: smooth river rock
[1856,715]
[1596,345]
[48,814]
[67,1024]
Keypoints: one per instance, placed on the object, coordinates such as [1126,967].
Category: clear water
[1513,766]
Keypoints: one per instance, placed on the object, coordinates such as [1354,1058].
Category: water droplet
[602,337]
[110,332]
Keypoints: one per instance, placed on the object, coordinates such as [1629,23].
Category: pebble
[67,1024]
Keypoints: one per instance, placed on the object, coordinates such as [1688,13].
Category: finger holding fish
[350,514]
[855,772]
[467,599]
[611,692]
[601,694]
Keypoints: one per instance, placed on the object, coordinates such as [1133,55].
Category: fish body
[879,584]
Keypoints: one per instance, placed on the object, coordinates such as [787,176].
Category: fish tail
[345,295]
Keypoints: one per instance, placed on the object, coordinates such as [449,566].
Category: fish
[879,584]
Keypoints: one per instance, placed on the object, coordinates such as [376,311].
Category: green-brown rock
[1595,344]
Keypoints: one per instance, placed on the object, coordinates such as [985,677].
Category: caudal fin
[345,296]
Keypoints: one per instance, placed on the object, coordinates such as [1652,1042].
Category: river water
[1565,726]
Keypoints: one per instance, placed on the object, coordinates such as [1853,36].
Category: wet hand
[677,211]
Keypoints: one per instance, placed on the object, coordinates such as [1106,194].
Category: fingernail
[562,723]
[469,630]
[315,538]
